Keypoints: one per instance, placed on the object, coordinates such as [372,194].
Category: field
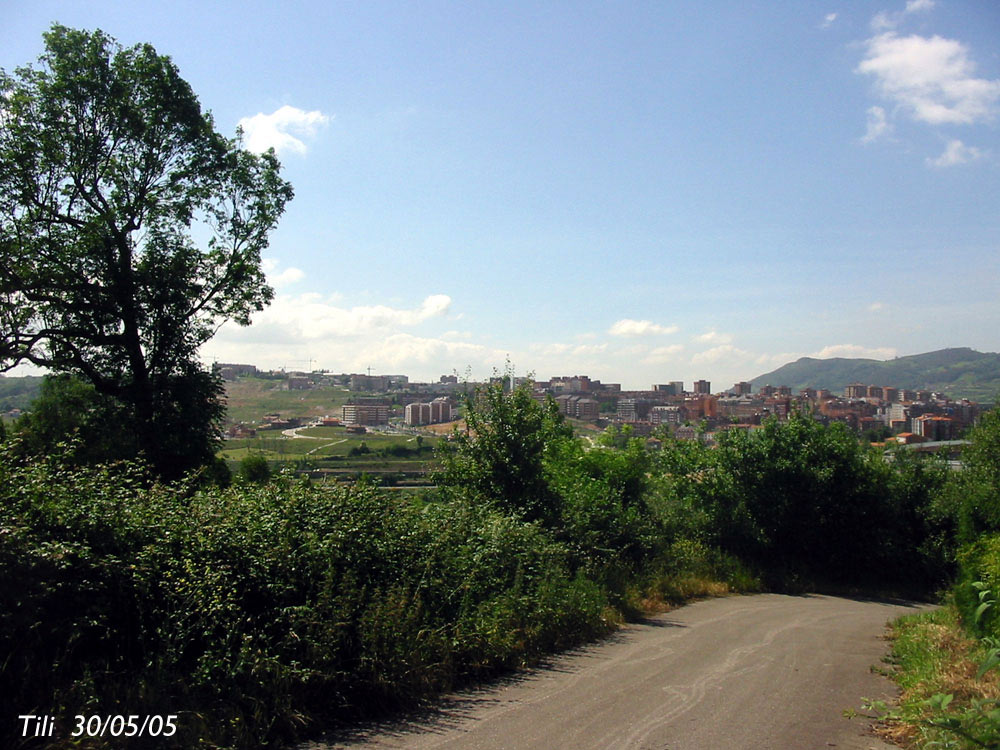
[333,452]
[323,451]
[249,399]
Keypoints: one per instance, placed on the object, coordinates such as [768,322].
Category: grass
[330,449]
[933,656]
[249,399]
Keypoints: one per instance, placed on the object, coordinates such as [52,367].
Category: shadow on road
[444,713]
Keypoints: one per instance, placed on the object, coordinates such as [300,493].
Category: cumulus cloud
[718,354]
[279,279]
[883,21]
[403,350]
[311,317]
[663,354]
[286,277]
[560,348]
[877,125]
[627,327]
[828,20]
[295,328]
[956,153]
[854,351]
[284,129]
[932,79]
[875,306]
[714,337]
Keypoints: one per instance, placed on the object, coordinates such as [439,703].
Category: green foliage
[605,519]
[254,468]
[978,486]
[108,170]
[267,608]
[809,500]
[262,609]
[359,450]
[71,412]
[500,457]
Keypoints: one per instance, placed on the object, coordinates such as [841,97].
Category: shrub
[261,609]
[255,469]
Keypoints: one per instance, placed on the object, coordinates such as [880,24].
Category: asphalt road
[763,671]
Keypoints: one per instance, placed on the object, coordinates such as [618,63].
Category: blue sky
[641,192]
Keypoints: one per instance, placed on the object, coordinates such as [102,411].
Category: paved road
[764,671]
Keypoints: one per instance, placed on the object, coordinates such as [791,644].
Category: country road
[763,671]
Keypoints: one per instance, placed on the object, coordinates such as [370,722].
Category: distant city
[883,411]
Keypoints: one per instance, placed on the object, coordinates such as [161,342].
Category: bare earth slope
[765,671]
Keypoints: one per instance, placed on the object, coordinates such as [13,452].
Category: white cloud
[663,354]
[284,129]
[714,337]
[561,348]
[882,21]
[956,153]
[401,351]
[457,335]
[627,327]
[875,306]
[719,353]
[295,328]
[877,126]
[286,277]
[854,351]
[311,317]
[930,78]
[828,19]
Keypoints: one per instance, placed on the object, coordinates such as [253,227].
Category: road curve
[763,671]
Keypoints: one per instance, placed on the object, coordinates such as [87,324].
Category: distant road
[763,671]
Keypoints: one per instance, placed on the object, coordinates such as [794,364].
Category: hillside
[960,373]
[18,392]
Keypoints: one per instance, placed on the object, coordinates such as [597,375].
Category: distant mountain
[960,373]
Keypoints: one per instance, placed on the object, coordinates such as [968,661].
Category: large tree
[130,230]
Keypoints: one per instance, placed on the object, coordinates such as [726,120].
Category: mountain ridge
[959,372]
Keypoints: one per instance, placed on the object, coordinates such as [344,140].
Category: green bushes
[802,501]
[975,494]
[255,611]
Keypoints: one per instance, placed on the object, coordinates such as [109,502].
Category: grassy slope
[249,399]
[931,655]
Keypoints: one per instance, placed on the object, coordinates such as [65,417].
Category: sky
[640,192]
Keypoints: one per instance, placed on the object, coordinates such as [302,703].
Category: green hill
[18,392]
[960,373]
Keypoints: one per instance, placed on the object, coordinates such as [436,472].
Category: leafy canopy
[500,456]
[109,173]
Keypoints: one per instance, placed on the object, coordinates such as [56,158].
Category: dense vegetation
[946,660]
[266,610]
